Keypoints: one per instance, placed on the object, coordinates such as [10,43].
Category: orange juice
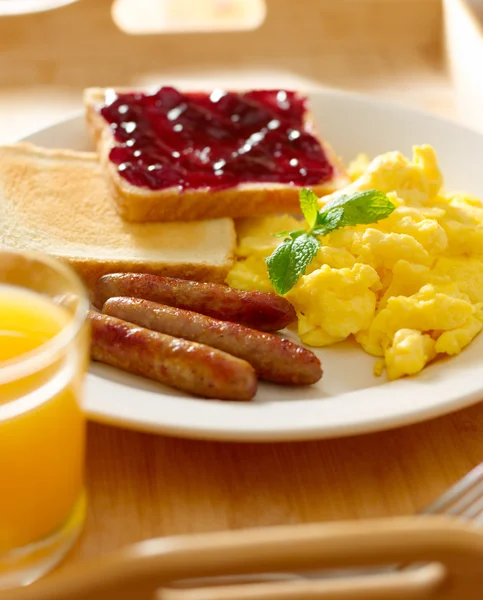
[42,427]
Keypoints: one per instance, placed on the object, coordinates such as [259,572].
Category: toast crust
[90,269]
[57,201]
[248,200]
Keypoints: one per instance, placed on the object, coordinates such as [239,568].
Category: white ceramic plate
[349,399]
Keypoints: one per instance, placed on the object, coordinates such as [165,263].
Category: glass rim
[34,360]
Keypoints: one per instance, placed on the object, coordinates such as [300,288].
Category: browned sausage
[184,365]
[266,312]
[273,358]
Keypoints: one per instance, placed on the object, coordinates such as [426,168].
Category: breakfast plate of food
[262,265]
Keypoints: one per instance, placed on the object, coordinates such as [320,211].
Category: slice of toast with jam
[176,156]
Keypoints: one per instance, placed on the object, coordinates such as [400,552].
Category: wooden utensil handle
[138,571]
[422,585]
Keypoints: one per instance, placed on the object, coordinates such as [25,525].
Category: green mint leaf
[309,203]
[321,231]
[330,219]
[292,234]
[295,234]
[278,264]
[362,208]
[290,260]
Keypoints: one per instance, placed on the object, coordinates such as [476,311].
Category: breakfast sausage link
[184,365]
[273,358]
[266,312]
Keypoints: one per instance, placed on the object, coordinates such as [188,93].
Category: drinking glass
[44,341]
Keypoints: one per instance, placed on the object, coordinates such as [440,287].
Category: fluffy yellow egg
[407,288]
[384,250]
[465,271]
[429,309]
[463,224]
[454,340]
[358,166]
[332,304]
[258,236]
[408,353]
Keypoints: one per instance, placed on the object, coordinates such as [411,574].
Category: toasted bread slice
[57,201]
[141,204]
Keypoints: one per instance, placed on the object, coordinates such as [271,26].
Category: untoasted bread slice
[140,204]
[57,201]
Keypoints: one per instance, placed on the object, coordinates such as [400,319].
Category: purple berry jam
[214,140]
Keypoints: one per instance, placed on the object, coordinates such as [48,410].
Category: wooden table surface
[142,486]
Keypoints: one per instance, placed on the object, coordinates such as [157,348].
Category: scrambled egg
[408,288]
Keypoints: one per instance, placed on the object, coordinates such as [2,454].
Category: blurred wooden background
[390,48]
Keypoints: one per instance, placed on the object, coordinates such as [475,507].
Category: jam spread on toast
[214,140]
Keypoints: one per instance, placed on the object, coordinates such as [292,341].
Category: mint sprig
[290,259]
[309,204]
[296,252]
